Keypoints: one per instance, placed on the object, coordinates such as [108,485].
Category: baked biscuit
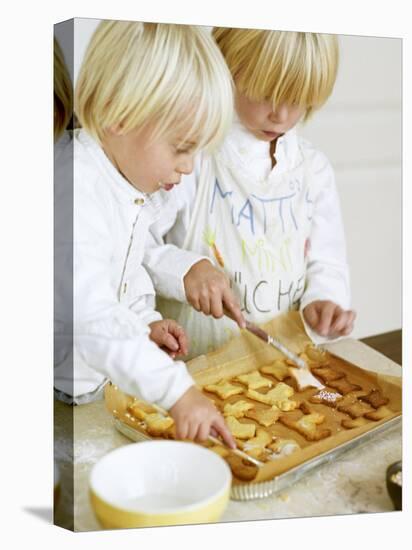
[304,407]
[237,409]
[278,369]
[265,417]
[242,469]
[327,374]
[325,397]
[224,389]
[349,398]
[278,396]
[355,409]
[349,424]
[375,398]
[140,409]
[157,424]
[316,353]
[307,426]
[256,445]
[343,386]
[379,414]
[170,433]
[239,430]
[282,447]
[254,380]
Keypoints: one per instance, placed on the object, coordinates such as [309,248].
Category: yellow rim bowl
[159,483]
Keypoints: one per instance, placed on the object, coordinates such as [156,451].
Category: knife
[257,331]
[304,378]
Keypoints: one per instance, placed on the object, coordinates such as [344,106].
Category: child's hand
[169,336]
[208,290]
[195,417]
[328,319]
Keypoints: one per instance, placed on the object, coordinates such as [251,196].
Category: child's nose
[186,165]
[280,114]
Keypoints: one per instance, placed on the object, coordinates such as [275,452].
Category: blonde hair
[281,66]
[62,91]
[171,75]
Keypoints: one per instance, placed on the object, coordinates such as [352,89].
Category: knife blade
[260,333]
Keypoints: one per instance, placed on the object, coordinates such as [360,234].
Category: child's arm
[108,336]
[165,259]
[326,301]
[180,274]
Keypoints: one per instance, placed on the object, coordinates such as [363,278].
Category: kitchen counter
[351,484]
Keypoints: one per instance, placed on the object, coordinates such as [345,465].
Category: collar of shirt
[124,191]
[255,152]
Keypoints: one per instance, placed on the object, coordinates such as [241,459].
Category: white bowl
[159,483]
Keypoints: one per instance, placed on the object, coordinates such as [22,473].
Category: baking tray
[251,491]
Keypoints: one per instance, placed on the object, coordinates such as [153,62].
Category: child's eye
[183,150]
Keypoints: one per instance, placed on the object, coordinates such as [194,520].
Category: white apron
[258,234]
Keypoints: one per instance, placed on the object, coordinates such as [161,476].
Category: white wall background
[360,131]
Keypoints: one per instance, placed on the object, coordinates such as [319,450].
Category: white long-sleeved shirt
[103,334]
[276,232]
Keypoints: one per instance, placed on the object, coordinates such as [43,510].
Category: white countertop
[353,483]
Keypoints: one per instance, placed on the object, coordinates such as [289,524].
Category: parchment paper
[246,353]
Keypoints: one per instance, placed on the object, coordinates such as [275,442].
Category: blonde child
[147,97]
[264,206]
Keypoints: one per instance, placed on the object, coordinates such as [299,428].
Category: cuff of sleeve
[308,299]
[181,382]
[150,316]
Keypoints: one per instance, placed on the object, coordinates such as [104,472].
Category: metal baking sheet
[251,491]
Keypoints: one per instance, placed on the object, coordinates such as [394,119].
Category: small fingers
[194,301]
[216,305]
[169,342]
[346,331]
[213,432]
[220,426]
[311,315]
[183,343]
[233,308]
[182,429]
[204,302]
[326,315]
[340,321]
[349,327]
[343,325]
[203,431]
[193,427]
[180,335]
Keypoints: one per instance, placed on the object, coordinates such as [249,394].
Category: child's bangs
[199,111]
[292,68]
